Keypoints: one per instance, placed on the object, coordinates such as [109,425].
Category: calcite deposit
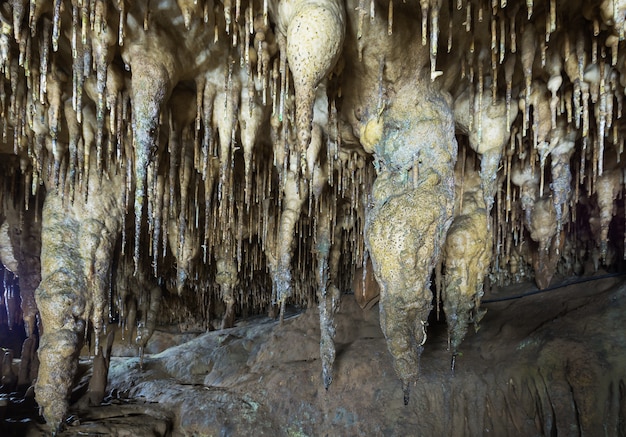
[193,162]
[467,254]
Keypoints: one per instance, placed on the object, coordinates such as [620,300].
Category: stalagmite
[28,363]
[9,378]
[98,382]
[151,302]
[366,289]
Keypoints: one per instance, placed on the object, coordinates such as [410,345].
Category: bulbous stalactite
[487,124]
[467,256]
[416,154]
[405,248]
[314,32]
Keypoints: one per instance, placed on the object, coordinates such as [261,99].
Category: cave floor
[552,363]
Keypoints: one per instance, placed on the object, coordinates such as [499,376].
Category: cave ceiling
[197,160]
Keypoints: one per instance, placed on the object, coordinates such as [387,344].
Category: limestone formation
[191,161]
[467,255]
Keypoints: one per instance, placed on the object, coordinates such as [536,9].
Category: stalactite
[314,34]
[435,7]
[555,81]
[227,279]
[225,112]
[327,304]
[151,85]
[101,39]
[607,188]
[464,274]
[488,137]
[291,208]
[73,288]
[251,116]
[54,114]
[562,147]
[529,46]
[527,180]
[185,227]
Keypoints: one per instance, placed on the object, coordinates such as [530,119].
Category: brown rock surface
[540,365]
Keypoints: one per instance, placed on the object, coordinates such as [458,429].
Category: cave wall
[194,161]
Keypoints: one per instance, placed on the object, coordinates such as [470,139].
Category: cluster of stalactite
[203,159]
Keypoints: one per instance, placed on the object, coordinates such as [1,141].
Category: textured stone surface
[538,366]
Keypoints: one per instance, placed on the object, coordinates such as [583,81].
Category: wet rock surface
[539,365]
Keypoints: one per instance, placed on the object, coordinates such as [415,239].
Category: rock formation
[234,158]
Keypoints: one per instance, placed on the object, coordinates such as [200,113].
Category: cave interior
[196,163]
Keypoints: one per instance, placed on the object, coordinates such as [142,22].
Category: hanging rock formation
[411,135]
[467,255]
[76,259]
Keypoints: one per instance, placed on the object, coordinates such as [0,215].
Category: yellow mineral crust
[467,256]
[413,201]
[76,257]
[405,233]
